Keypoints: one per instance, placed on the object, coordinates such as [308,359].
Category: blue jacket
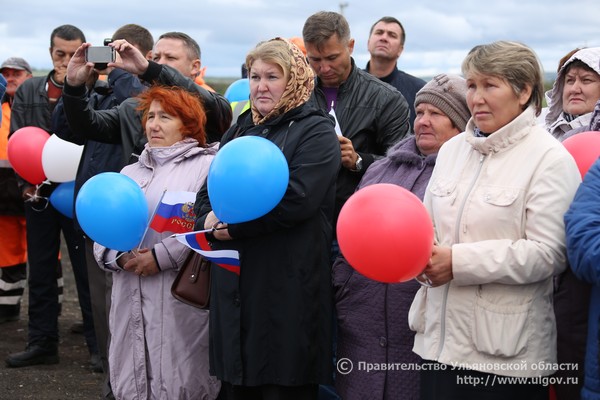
[583,248]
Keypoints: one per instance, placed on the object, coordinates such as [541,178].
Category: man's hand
[349,155]
[129,57]
[78,70]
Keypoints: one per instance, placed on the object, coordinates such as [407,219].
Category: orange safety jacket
[13,241]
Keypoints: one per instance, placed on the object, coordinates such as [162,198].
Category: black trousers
[461,384]
[267,392]
[100,283]
[44,226]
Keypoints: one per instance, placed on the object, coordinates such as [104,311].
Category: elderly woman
[574,94]
[159,345]
[496,197]
[271,325]
[372,316]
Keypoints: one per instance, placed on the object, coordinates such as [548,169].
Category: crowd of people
[506,301]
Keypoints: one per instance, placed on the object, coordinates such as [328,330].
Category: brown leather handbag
[192,284]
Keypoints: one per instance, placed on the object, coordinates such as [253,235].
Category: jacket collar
[347,82]
[388,78]
[152,156]
[504,137]
[407,152]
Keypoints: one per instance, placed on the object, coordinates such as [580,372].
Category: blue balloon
[63,198]
[247,178]
[112,210]
[239,90]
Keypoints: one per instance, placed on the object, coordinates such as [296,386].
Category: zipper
[456,237]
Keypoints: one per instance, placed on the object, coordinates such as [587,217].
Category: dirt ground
[72,378]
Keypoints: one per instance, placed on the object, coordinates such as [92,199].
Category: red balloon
[585,149]
[24,150]
[385,233]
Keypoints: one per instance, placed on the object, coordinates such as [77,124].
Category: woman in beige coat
[497,198]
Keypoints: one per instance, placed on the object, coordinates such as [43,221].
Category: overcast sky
[439,33]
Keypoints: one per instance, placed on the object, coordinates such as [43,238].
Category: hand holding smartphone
[100,56]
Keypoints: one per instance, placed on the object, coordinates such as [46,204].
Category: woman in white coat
[497,197]
[159,345]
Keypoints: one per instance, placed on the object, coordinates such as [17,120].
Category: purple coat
[373,316]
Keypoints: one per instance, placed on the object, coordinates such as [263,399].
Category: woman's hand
[141,262]
[219,229]
[438,271]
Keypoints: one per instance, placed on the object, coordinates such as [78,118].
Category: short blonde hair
[513,62]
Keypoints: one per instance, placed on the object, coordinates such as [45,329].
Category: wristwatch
[358,166]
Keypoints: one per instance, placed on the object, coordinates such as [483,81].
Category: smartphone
[100,56]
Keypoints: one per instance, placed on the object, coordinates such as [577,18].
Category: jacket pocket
[502,207]
[500,329]
[416,314]
[444,190]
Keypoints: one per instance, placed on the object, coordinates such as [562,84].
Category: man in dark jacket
[98,157]
[371,115]
[32,106]
[386,43]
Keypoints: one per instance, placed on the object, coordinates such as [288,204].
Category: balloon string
[115,259]
[152,217]
[35,196]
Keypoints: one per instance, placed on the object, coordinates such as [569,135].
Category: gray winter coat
[373,316]
[159,345]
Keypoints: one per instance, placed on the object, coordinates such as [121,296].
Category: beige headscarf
[298,89]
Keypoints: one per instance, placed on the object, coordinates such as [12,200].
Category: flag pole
[152,217]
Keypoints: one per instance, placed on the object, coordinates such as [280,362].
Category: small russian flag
[174,213]
[228,259]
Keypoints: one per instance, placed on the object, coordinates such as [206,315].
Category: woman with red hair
[159,345]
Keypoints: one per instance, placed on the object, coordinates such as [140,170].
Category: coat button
[265,131]
[382,342]
[236,301]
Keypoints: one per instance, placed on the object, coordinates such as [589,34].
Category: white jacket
[499,203]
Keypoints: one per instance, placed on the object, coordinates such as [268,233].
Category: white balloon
[60,159]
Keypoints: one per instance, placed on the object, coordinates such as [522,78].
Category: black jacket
[408,85]
[273,323]
[98,157]
[373,115]
[122,124]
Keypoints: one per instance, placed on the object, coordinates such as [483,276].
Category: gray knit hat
[448,93]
